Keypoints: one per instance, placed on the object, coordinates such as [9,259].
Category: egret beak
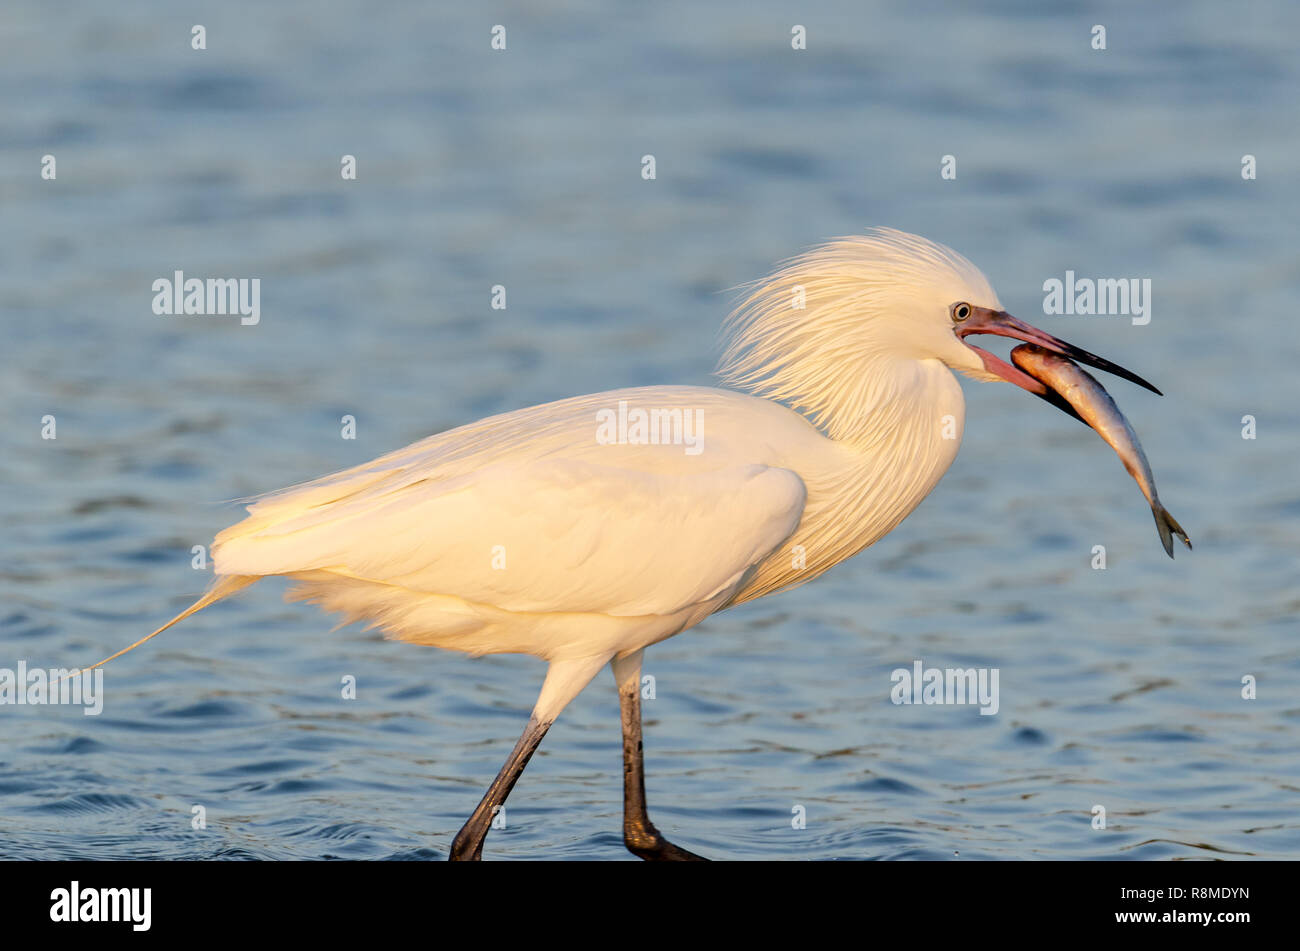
[985,321]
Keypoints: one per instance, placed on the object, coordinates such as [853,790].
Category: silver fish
[1092,404]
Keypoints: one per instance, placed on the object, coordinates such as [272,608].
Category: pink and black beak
[985,321]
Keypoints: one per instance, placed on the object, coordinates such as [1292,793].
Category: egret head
[841,320]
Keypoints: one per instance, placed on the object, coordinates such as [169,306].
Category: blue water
[1119,688]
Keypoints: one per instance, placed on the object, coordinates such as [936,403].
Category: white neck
[897,435]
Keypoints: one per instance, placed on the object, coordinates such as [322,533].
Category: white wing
[527,513]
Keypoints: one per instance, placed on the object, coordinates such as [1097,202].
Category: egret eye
[960,311]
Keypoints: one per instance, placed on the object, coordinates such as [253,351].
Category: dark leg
[468,844]
[564,681]
[639,834]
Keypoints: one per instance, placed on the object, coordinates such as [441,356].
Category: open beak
[985,321]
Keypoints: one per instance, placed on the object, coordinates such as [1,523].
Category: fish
[1087,400]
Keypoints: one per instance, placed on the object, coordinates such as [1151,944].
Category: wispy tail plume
[223,587]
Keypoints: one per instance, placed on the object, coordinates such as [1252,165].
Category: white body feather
[603,548]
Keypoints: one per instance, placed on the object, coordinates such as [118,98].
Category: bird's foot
[465,849]
[648,844]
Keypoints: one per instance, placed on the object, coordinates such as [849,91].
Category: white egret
[585,530]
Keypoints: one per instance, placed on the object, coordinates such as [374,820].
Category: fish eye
[960,311]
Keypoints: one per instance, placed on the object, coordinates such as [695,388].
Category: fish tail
[223,587]
[1168,527]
